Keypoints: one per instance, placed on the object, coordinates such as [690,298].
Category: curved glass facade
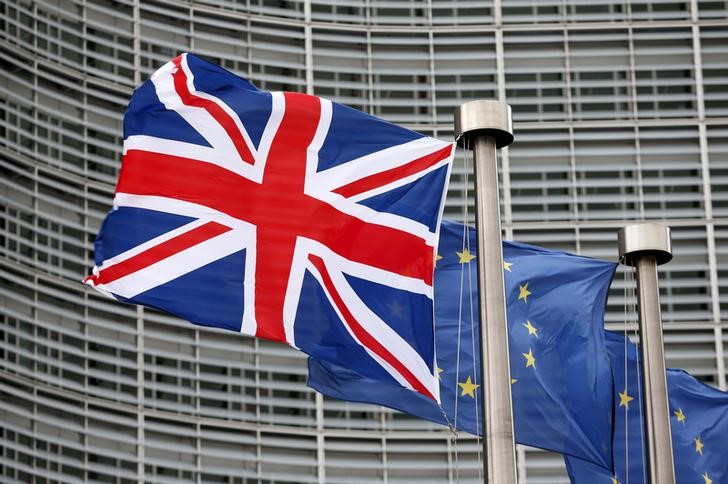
[620,110]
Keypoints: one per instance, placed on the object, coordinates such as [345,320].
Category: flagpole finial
[484,117]
[644,239]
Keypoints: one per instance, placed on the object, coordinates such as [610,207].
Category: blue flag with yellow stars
[561,379]
[698,421]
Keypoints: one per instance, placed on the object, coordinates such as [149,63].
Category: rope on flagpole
[460,300]
[471,306]
[641,408]
[630,309]
[465,245]
[627,308]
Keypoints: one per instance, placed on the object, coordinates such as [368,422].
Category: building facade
[621,114]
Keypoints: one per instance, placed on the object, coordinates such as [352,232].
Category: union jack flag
[280,215]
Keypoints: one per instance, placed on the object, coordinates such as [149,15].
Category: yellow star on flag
[465,256]
[468,387]
[439,370]
[437,258]
[698,445]
[680,416]
[530,359]
[624,399]
[513,380]
[523,292]
[707,478]
[531,328]
[507,266]
[615,480]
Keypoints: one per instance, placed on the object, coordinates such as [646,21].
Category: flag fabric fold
[698,422]
[561,380]
[280,215]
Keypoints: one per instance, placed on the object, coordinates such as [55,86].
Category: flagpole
[486,126]
[645,246]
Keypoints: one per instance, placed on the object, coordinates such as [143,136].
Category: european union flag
[561,380]
[698,418]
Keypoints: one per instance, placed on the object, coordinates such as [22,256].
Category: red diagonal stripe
[362,335]
[159,252]
[385,177]
[223,118]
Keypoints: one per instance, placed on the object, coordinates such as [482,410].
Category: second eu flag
[698,422]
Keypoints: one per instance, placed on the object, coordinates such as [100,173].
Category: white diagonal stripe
[181,207]
[198,118]
[373,325]
[143,247]
[233,115]
[176,265]
[401,181]
[377,162]
[260,154]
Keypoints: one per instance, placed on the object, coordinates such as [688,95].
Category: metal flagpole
[645,246]
[486,126]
